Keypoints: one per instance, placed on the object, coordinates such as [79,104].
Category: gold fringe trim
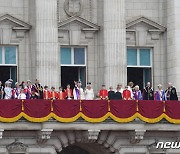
[22,105]
[52,106]
[66,120]
[109,108]
[137,107]
[164,107]
[80,105]
[95,120]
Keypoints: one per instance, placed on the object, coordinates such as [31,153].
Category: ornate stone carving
[136,136]
[93,135]
[17,147]
[73,7]
[80,34]
[142,27]
[44,135]
[9,26]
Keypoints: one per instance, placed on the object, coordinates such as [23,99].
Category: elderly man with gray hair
[148,92]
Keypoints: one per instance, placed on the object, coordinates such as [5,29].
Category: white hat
[159,85]
[10,80]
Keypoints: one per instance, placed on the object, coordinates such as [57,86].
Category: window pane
[0,55]
[10,55]
[13,73]
[145,57]
[132,57]
[65,55]
[79,56]
[147,75]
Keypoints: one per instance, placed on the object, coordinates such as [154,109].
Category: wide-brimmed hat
[29,81]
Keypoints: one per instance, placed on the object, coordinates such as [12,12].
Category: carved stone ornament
[93,135]
[44,135]
[73,7]
[136,136]
[17,147]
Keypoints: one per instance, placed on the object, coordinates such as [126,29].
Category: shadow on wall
[73,150]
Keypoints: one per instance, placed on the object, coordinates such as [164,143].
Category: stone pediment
[17,23]
[86,25]
[154,26]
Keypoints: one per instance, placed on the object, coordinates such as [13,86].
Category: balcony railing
[94,111]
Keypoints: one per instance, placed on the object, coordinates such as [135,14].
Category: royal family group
[27,90]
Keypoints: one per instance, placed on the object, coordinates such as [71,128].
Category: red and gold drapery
[92,111]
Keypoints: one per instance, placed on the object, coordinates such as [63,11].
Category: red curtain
[173,109]
[94,109]
[10,109]
[37,108]
[66,108]
[123,109]
[151,109]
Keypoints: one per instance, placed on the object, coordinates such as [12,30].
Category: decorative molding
[16,147]
[21,25]
[93,135]
[1,133]
[155,34]
[152,23]
[44,135]
[136,136]
[83,31]
[136,33]
[73,7]
[16,25]
[87,23]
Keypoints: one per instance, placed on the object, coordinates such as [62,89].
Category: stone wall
[154,10]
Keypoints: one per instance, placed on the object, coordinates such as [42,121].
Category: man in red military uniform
[60,94]
[46,93]
[68,92]
[53,93]
[127,94]
[103,93]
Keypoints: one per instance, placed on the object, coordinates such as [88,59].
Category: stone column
[47,50]
[114,42]
[173,42]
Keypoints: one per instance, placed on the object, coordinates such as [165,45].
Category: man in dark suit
[111,93]
[148,93]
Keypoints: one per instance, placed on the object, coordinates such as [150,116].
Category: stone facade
[105,28]
[107,138]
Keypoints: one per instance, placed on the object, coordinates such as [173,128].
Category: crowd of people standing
[130,92]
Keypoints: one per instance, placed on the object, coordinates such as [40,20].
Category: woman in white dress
[8,90]
[89,93]
[22,95]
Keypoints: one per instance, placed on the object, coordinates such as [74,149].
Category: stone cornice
[89,25]
[20,25]
[157,27]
